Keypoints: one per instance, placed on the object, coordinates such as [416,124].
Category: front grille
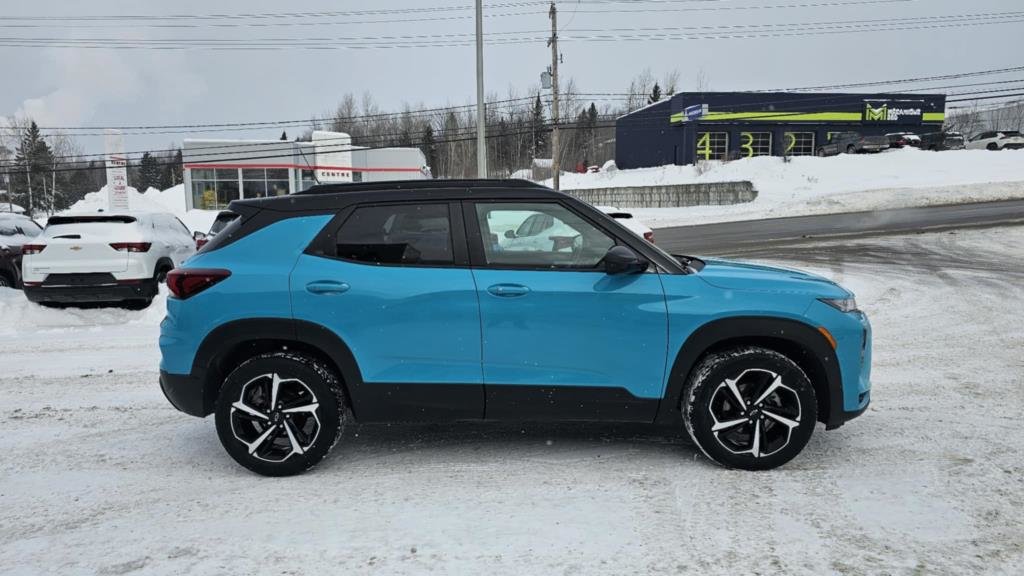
[89,279]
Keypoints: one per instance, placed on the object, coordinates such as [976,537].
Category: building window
[755,144]
[277,182]
[308,180]
[799,143]
[214,189]
[712,145]
[254,183]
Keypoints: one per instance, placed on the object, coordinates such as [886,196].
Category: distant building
[693,126]
[216,172]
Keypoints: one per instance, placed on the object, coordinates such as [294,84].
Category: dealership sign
[117,172]
[889,113]
[696,112]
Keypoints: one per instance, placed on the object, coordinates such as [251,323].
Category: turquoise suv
[431,301]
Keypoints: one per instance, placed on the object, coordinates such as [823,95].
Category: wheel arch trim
[818,358]
[228,341]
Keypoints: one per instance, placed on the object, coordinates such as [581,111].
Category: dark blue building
[717,125]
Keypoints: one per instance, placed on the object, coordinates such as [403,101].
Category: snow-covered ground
[100,475]
[845,183]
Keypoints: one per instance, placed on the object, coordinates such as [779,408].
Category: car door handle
[327,287]
[509,290]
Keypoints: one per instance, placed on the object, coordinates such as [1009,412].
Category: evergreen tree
[429,146]
[538,130]
[33,159]
[284,136]
[655,94]
[149,172]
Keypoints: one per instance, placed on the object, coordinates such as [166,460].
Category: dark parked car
[942,141]
[853,143]
[15,231]
[224,218]
[903,139]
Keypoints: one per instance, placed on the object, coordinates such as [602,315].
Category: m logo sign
[887,113]
[880,114]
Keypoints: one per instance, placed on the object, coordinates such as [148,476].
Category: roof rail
[418,185]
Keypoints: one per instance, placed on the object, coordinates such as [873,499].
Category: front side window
[539,235]
[397,234]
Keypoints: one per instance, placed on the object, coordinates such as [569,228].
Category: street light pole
[481,127]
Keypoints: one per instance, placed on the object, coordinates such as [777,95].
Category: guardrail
[669,195]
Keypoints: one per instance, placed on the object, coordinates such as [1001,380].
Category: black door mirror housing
[197,235]
[510,234]
[623,260]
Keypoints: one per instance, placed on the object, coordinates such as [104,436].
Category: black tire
[993,147]
[139,304]
[821,153]
[289,441]
[851,149]
[753,370]
[5,282]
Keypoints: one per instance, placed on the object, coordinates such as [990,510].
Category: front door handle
[509,290]
[327,287]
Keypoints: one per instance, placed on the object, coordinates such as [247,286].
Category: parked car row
[855,143]
[85,258]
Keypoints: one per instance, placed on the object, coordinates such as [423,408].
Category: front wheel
[279,414]
[750,408]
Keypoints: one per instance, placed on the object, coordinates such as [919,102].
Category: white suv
[103,257]
[996,141]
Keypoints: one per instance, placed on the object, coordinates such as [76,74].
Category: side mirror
[197,235]
[622,260]
[510,234]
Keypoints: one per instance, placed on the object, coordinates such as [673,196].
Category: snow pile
[845,183]
[171,200]
[76,341]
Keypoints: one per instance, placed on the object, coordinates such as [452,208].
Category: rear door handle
[327,287]
[509,290]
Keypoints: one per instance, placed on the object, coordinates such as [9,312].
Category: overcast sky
[98,87]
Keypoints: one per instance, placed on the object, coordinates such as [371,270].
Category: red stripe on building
[295,166]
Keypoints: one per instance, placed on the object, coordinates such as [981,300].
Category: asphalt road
[742,237]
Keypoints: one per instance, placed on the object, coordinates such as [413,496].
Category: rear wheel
[750,408]
[821,153]
[851,149]
[279,414]
[993,147]
[5,282]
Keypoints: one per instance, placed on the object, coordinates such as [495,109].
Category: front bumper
[144,289]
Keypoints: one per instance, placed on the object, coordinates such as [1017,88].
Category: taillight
[29,249]
[187,282]
[131,246]
[649,236]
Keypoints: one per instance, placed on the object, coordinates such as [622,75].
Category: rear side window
[397,234]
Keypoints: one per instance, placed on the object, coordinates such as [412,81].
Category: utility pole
[481,127]
[555,168]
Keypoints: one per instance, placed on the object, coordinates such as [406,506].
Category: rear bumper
[144,289]
[184,392]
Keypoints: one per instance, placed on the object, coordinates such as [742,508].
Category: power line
[736,31]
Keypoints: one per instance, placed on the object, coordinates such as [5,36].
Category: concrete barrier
[669,196]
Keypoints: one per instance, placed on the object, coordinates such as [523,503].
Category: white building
[219,171]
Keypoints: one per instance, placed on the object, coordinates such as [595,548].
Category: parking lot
[101,475]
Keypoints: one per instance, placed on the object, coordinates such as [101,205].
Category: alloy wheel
[275,417]
[754,413]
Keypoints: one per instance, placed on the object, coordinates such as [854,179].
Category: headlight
[841,304]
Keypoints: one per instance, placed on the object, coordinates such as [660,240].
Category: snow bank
[77,341]
[811,185]
[152,200]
